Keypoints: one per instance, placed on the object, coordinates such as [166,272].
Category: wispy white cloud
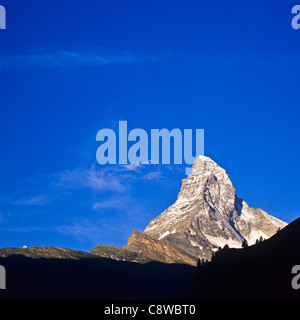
[155,175]
[25,229]
[111,203]
[34,201]
[81,232]
[69,58]
[131,166]
[117,178]
[101,179]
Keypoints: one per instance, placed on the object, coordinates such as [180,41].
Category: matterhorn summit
[208,214]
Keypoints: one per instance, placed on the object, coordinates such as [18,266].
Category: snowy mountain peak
[205,165]
[207,214]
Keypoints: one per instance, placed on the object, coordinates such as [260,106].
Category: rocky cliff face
[208,214]
[154,249]
[143,248]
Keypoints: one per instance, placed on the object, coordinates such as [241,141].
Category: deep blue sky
[69,68]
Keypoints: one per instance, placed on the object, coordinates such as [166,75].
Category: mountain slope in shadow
[91,278]
[261,271]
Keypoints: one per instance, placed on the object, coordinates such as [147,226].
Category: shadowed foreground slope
[91,278]
[261,271]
